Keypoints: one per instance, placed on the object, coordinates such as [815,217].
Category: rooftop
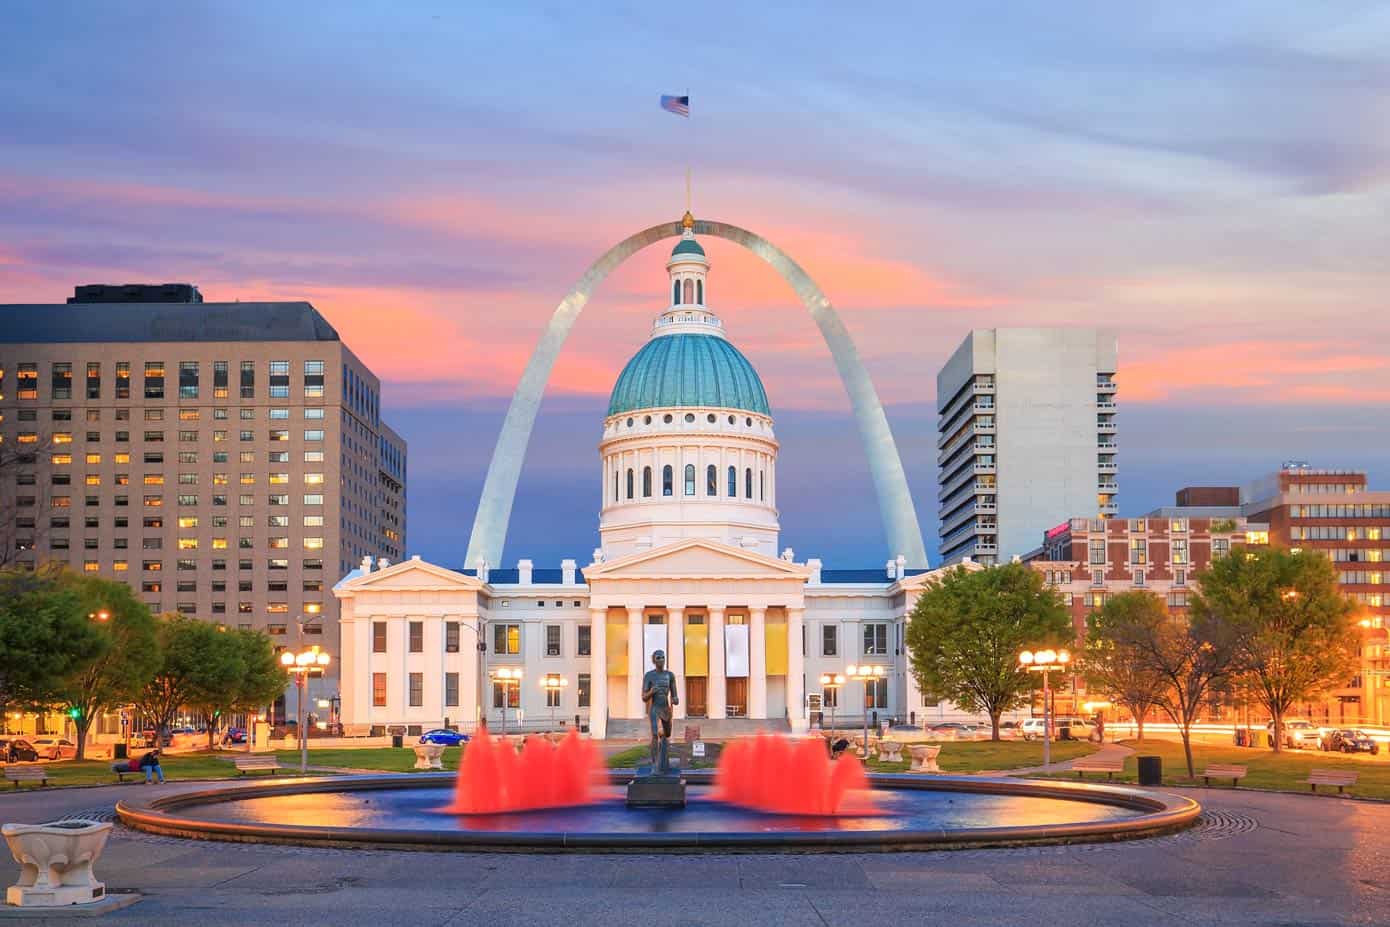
[98,323]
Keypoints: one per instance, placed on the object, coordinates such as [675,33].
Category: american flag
[678,105]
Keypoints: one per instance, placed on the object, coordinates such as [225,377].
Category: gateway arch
[885,465]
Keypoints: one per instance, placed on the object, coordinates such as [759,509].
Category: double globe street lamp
[507,676]
[831,682]
[869,675]
[1045,661]
[300,665]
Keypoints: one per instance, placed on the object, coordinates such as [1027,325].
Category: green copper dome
[687,246]
[688,370]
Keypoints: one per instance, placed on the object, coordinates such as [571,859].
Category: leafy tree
[257,677]
[129,652]
[965,634]
[45,637]
[1192,654]
[1296,635]
[1112,665]
[194,657]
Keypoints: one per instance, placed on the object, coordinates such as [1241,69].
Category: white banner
[653,639]
[735,650]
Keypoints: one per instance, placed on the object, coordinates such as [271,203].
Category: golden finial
[688,220]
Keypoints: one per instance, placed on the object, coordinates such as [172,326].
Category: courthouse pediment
[409,576]
[697,559]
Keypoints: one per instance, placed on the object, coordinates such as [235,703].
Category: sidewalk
[1109,751]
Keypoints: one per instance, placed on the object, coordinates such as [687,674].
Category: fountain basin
[918,812]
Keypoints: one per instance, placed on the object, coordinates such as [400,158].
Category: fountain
[493,777]
[785,776]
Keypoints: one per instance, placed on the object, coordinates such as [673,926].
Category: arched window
[646,482]
[700,292]
[629,482]
[690,479]
[748,483]
[711,480]
[733,482]
[675,292]
[616,496]
[762,486]
[690,291]
[666,478]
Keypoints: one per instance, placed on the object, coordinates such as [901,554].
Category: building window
[1138,551]
[1138,577]
[93,382]
[700,292]
[552,698]
[415,683]
[313,379]
[668,477]
[279,379]
[451,637]
[506,639]
[1179,577]
[1177,598]
[122,380]
[505,693]
[1095,599]
[586,637]
[875,640]
[154,379]
[617,494]
[688,294]
[582,690]
[646,482]
[1179,551]
[629,482]
[876,695]
[711,480]
[248,379]
[188,379]
[733,482]
[830,698]
[762,486]
[417,637]
[219,379]
[378,690]
[748,483]
[451,690]
[689,479]
[378,637]
[62,381]
[1097,551]
[552,640]
[675,292]
[829,640]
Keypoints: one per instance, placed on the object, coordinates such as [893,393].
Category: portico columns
[796,670]
[598,673]
[634,662]
[675,654]
[714,698]
[757,662]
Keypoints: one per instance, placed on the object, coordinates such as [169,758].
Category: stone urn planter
[55,863]
[924,758]
[428,756]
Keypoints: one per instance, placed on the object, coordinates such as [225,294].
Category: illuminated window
[62,381]
[27,381]
[62,437]
[154,379]
[313,479]
[313,543]
[279,479]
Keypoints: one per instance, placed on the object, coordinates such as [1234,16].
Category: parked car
[1348,740]
[1010,729]
[1077,728]
[16,750]
[234,735]
[952,727]
[55,748]
[443,736]
[1299,733]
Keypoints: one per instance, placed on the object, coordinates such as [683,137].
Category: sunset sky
[1211,181]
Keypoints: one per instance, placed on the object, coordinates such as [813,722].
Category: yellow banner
[617,647]
[775,636]
[696,649]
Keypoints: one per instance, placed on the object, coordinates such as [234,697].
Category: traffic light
[74,713]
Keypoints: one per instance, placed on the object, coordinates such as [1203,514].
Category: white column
[675,653]
[757,662]
[796,670]
[634,662]
[714,696]
[598,673]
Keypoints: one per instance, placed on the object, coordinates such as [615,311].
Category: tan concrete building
[228,460]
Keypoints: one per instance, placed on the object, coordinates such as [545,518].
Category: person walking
[150,764]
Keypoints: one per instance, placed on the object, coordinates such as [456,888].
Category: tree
[45,637]
[966,631]
[129,652]
[1112,665]
[1296,634]
[258,677]
[194,657]
[1192,653]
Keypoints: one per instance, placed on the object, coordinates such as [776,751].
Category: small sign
[697,748]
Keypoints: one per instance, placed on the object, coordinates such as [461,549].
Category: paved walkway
[1106,752]
[1257,858]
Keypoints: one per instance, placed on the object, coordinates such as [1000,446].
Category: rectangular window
[62,381]
[506,639]
[188,436]
[502,691]
[378,637]
[27,381]
[583,688]
[313,379]
[310,434]
[829,640]
[279,414]
[451,690]
[875,640]
[122,379]
[378,690]
[1138,551]
[552,640]
[188,379]
[552,698]
[416,685]
[314,412]
[586,637]
[219,380]
[830,698]
[93,381]
[1097,551]
[451,637]
[248,379]
[877,694]
[154,379]
[417,636]
[1179,551]
[279,379]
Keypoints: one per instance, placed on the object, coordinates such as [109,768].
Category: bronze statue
[659,694]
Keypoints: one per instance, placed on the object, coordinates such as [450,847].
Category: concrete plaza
[1256,858]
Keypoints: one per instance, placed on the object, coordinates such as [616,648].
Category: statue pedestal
[656,790]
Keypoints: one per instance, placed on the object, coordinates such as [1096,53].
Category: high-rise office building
[1026,436]
[228,460]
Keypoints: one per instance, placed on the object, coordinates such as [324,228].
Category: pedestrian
[1100,728]
[150,764]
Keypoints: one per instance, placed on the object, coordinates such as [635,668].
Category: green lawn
[637,756]
[1281,772]
[982,755]
[98,772]
[386,759]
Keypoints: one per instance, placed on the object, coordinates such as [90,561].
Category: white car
[54,748]
[1299,733]
[1080,729]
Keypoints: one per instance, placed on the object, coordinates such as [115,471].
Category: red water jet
[786,776]
[494,778]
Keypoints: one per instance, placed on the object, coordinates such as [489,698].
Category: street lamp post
[507,676]
[832,683]
[300,665]
[868,675]
[1045,661]
[553,684]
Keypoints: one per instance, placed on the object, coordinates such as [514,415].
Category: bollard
[1150,770]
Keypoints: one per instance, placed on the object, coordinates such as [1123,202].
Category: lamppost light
[1063,656]
[1026,658]
[851,670]
[287,659]
[1046,657]
[324,659]
[839,680]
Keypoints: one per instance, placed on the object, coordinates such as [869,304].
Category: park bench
[890,751]
[924,758]
[26,773]
[1098,765]
[1224,771]
[252,761]
[1341,779]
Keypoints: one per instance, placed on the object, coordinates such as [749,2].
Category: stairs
[717,730]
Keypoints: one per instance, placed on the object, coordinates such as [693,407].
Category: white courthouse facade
[688,562]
